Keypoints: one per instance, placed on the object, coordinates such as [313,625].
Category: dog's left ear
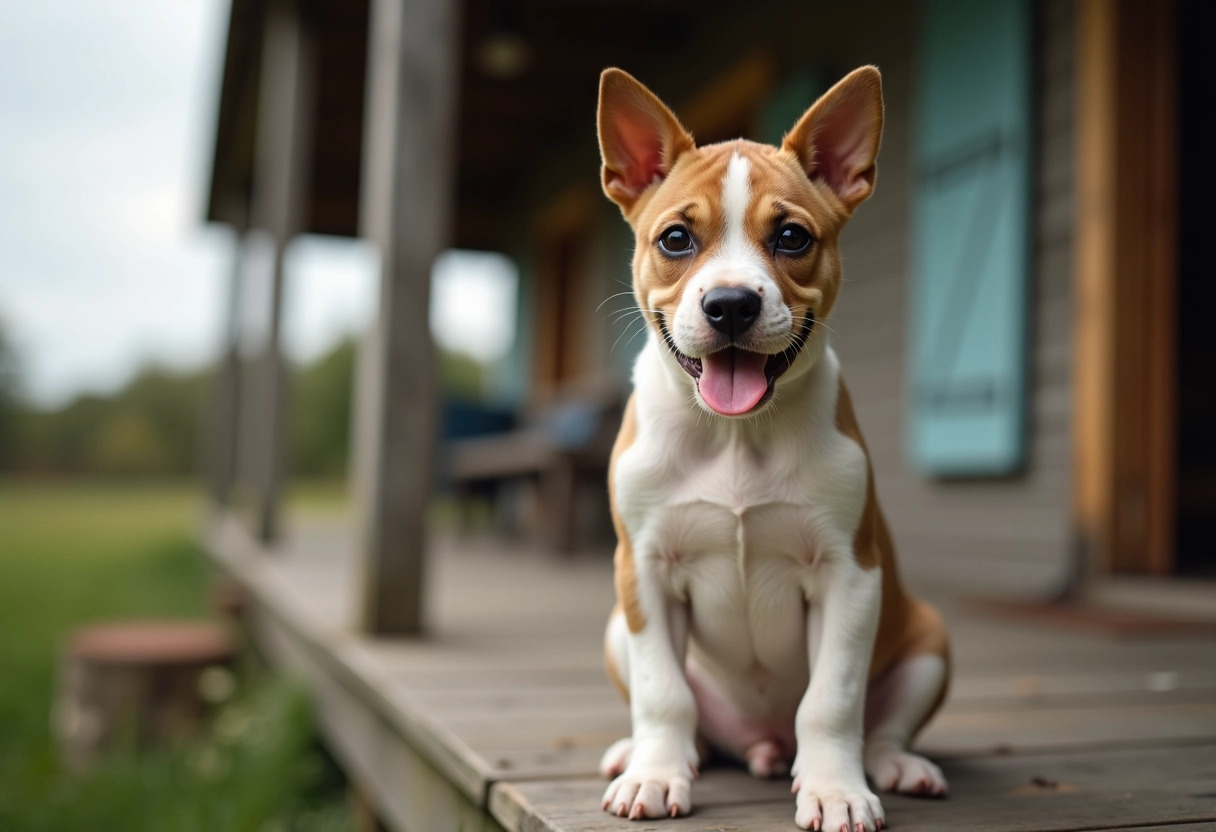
[837,139]
[640,139]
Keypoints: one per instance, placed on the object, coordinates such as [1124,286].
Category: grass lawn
[77,552]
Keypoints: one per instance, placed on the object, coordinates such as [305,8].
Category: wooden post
[1147,229]
[280,193]
[406,199]
[1093,327]
[1125,284]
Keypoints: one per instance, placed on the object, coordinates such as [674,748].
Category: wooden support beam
[1148,287]
[1125,284]
[279,195]
[406,202]
[1093,326]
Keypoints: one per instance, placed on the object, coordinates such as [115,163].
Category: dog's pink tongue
[733,380]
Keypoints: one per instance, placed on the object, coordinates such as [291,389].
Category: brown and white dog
[759,611]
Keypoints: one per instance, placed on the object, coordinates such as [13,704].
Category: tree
[10,392]
[320,413]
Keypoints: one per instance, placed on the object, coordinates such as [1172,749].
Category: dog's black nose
[731,310]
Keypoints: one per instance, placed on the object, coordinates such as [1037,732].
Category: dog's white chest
[728,538]
[733,520]
[739,505]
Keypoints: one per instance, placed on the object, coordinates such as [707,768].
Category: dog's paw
[652,788]
[616,758]
[834,803]
[838,807]
[896,770]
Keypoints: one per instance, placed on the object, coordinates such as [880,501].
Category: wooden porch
[497,718]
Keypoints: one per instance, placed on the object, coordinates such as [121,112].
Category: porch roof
[512,127]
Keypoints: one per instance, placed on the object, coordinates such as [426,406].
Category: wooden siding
[1006,536]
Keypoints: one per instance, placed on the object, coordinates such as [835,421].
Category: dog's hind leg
[898,704]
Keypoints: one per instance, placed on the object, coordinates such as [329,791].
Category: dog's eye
[676,240]
[793,239]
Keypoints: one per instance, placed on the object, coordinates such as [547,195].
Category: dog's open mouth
[734,381]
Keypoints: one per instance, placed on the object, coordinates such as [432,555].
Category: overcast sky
[106,120]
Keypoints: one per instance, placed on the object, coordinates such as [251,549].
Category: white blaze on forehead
[738,261]
[736,196]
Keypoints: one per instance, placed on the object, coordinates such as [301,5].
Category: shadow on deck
[498,718]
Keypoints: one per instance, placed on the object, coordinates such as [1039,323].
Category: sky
[106,120]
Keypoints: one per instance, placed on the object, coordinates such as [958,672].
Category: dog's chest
[736,504]
[734,529]
[688,500]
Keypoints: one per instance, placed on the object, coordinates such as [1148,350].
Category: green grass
[318,497]
[71,553]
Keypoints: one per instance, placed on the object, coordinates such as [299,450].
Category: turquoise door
[971,238]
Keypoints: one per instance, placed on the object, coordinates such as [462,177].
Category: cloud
[105,129]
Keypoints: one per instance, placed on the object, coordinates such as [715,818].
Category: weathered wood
[280,188]
[298,632]
[407,792]
[511,687]
[1093,411]
[1126,284]
[997,794]
[406,201]
[1146,235]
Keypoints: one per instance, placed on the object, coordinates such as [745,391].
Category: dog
[759,612]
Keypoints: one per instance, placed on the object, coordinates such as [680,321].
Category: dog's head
[737,261]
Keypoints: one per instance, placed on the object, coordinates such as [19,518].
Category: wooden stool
[141,677]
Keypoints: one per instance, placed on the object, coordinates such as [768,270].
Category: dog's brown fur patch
[626,570]
[907,627]
[866,539]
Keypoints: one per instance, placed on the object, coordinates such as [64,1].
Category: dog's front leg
[657,782]
[828,775]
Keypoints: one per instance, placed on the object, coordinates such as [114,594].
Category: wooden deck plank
[409,791]
[520,696]
[509,686]
[1057,793]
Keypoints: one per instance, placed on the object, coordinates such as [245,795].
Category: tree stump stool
[138,680]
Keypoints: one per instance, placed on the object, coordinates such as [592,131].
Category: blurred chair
[561,448]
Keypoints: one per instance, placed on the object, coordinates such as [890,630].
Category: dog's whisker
[641,329]
[627,313]
[624,332]
[610,297]
[632,310]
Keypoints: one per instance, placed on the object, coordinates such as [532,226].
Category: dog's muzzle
[734,381]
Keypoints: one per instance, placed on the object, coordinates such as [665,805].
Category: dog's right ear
[640,139]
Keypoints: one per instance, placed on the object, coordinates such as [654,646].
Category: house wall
[1008,536]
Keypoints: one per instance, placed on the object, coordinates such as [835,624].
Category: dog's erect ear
[837,139]
[640,139]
